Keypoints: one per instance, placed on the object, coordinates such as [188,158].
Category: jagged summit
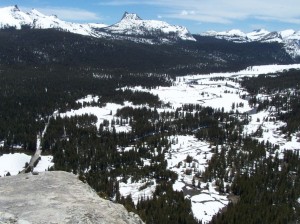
[15,8]
[130,27]
[11,16]
[130,16]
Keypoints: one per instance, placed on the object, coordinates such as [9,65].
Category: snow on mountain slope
[289,38]
[292,42]
[12,16]
[257,35]
[133,25]
[41,21]
[287,33]
[241,37]
[231,35]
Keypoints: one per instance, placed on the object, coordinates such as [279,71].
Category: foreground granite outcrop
[56,197]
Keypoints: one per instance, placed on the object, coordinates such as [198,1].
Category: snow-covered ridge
[130,25]
[290,38]
[256,35]
[12,16]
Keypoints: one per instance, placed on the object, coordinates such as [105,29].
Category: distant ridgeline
[53,48]
[132,28]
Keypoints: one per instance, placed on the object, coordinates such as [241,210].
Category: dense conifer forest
[284,92]
[42,71]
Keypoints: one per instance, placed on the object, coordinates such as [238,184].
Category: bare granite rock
[56,197]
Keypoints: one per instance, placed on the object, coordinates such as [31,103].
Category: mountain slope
[289,38]
[39,47]
[12,16]
[133,25]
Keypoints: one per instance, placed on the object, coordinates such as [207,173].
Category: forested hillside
[207,54]
[51,69]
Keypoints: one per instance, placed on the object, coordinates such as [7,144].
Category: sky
[197,15]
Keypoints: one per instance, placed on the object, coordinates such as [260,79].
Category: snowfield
[108,112]
[137,190]
[183,146]
[14,163]
[206,93]
[88,99]
[249,71]
[44,164]
[209,91]
[205,202]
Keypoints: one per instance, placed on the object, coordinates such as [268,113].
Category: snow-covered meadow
[107,112]
[219,91]
[216,90]
[215,94]
[206,201]
[143,188]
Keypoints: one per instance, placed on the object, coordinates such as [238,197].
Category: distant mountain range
[132,27]
[289,38]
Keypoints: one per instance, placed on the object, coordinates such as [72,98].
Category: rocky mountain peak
[130,27]
[15,8]
[130,16]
